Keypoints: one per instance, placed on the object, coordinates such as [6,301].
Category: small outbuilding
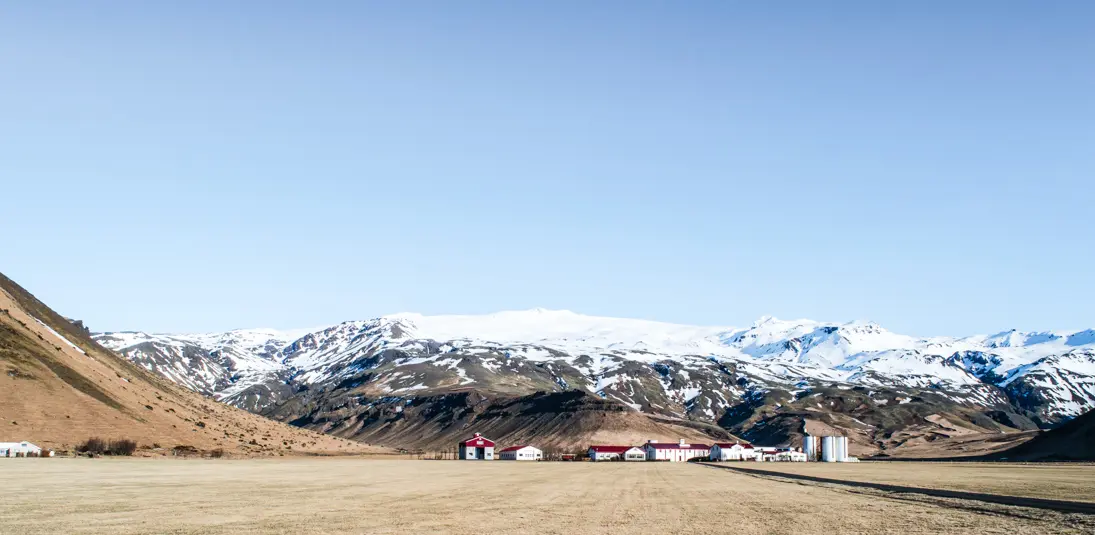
[477,448]
[521,453]
[19,449]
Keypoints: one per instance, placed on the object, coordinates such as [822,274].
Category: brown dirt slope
[1074,441]
[560,421]
[58,388]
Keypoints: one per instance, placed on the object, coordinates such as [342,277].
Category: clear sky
[213,165]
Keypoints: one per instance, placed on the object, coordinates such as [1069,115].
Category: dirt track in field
[372,496]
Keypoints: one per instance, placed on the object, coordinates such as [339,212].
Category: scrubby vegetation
[98,446]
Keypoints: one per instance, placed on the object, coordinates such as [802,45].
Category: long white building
[19,449]
[616,453]
[680,452]
[733,451]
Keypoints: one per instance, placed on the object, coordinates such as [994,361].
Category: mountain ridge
[889,392]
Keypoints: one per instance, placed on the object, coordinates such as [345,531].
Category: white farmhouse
[19,449]
[680,452]
[477,448]
[733,452]
[521,453]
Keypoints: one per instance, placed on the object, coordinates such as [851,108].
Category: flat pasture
[351,495]
[1056,481]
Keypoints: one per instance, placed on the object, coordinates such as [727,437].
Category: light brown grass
[1056,481]
[361,496]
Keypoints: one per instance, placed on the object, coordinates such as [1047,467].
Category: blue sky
[210,166]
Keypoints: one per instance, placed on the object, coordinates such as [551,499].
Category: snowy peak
[617,357]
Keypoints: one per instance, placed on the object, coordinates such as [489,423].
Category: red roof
[732,444]
[671,446]
[610,449]
[478,441]
[514,448]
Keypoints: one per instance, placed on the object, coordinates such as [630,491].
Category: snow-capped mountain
[700,373]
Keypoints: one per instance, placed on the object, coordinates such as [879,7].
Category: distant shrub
[124,447]
[217,453]
[92,445]
[184,450]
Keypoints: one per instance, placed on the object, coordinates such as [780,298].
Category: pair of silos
[833,449]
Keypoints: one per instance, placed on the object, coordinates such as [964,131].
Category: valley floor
[1053,481]
[347,495]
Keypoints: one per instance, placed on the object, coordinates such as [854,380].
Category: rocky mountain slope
[765,382]
[58,388]
[1073,441]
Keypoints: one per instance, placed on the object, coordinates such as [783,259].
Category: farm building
[683,451]
[477,448]
[785,456]
[733,452]
[521,453]
[19,449]
[616,453]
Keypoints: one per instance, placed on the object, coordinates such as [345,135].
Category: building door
[481,454]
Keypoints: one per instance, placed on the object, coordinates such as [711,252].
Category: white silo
[809,447]
[828,449]
[841,446]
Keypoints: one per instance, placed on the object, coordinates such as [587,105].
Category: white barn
[19,449]
[521,453]
[733,452]
[477,448]
[680,452]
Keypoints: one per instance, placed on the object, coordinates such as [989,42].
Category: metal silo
[809,447]
[828,449]
[841,447]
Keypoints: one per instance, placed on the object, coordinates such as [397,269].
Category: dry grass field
[346,495]
[1057,481]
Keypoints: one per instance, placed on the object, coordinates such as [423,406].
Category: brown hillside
[58,388]
[1074,441]
[570,420]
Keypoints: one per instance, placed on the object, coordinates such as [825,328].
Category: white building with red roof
[477,448]
[616,453]
[680,452]
[521,453]
[733,451]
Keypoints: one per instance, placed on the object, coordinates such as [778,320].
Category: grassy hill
[58,388]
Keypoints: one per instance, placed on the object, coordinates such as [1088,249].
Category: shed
[477,448]
[521,453]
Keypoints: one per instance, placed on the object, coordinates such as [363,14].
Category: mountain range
[414,381]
